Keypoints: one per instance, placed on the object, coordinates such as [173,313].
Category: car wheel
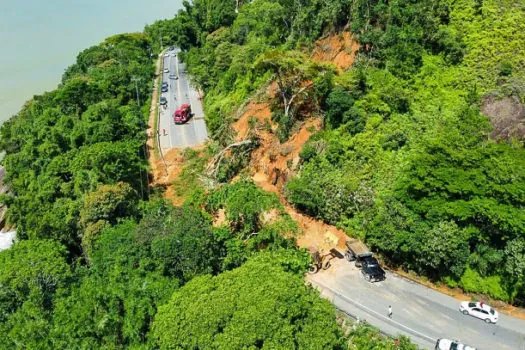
[465,312]
[349,256]
[313,269]
[487,320]
[368,278]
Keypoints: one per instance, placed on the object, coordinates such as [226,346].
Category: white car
[167,54]
[166,70]
[479,310]
[447,344]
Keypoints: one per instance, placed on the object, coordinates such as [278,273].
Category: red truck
[183,114]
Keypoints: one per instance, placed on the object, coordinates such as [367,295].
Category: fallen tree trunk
[213,166]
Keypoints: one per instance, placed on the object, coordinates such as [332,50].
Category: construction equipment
[321,258]
[357,250]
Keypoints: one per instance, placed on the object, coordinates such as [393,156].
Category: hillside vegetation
[404,160]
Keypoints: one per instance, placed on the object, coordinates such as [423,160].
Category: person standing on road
[390,311]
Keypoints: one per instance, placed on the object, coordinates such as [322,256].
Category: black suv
[371,270]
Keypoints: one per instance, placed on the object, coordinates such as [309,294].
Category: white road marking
[189,134]
[377,314]
[191,106]
[181,127]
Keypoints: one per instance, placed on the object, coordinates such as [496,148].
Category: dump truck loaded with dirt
[351,250]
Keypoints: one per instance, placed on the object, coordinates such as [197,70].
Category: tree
[515,259]
[180,241]
[31,270]
[116,296]
[265,20]
[294,74]
[113,310]
[259,305]
[363,336]
[104,207]
[67,142]
[32,275]
[108,203]
[244,203]
[444,249]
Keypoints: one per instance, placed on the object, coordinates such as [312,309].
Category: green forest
[424,172]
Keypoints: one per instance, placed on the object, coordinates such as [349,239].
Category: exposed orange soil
[166,171]
[258,110]
[338,49]
[272,163]
[175,165]
[220,218]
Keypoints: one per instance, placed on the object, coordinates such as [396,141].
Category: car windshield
[371,261]
[492,311]
[454,346]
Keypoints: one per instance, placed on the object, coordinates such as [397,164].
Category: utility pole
[137,89]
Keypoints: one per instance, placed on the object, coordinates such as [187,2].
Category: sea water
[39,39]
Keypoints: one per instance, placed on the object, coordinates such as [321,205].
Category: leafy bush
[364,336]
[244,203]
[471,281]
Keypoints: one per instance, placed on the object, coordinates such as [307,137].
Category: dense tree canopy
[404,161]
[32,274]
[407,152]
[66,143]
[259,305]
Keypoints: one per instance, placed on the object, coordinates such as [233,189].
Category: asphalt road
[418,312]
[180,91]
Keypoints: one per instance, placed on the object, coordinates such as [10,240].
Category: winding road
[420,313]
[180,91]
